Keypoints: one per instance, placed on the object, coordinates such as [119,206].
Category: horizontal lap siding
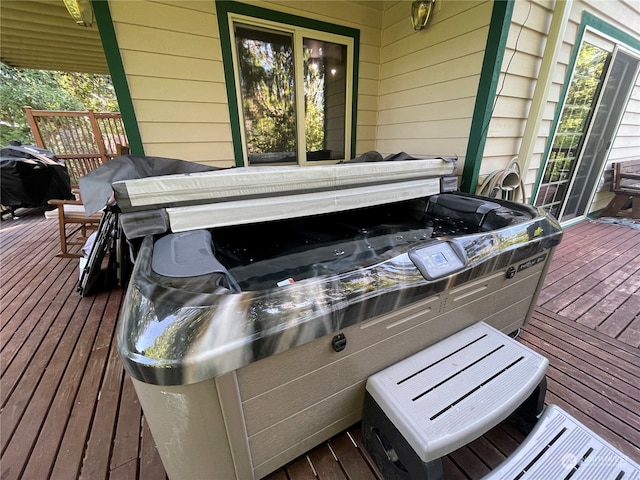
[173,61]
[417,90]
[172,58]
[429,79]
[522,57]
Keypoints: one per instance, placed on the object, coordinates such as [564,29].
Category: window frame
[250,15]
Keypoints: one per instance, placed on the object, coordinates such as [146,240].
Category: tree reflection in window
[268,93]
[325,87]
[267,73]
[573,126]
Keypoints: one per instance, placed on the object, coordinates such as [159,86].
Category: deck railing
[84,140]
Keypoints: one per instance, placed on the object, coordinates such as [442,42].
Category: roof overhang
[40,34]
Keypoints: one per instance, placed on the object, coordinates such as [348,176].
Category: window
[293,87]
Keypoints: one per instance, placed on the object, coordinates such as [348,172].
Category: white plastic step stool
[445,396]
[560,446]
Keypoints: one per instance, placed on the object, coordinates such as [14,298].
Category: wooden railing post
[98,136]
[33,125]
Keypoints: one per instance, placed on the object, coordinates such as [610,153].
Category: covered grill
[262,299]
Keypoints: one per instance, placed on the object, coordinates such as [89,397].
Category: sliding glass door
[601,83]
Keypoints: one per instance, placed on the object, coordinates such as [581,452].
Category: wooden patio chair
[71,215]
[626,187]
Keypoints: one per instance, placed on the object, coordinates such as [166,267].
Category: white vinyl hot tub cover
[239,212]
[255,194]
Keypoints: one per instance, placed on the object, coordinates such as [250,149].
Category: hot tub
[257,309]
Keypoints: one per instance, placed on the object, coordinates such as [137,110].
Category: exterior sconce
[420,13]
[81,11]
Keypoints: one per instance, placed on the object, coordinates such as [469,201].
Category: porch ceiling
[40,34]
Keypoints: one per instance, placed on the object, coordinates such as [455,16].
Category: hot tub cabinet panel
[265,414]
[250,344]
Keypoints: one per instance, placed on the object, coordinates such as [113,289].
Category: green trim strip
[354,91]
[118,77]
[229,80]
[224,7]
[588,20]
[595,214]
[489,75]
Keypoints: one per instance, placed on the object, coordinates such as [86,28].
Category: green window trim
[118,77]
[588,21]
[223,8]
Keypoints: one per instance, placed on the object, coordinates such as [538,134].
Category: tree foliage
[48,90]
[314,102]
[583,91]
[267,83]
[577,112]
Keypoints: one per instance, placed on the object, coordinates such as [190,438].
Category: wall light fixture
[81,11]
[420,12]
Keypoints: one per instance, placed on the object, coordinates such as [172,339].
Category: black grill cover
[31,176]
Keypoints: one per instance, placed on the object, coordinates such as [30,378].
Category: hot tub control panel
[436,260]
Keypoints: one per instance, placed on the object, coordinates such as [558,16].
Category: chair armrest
[64,202]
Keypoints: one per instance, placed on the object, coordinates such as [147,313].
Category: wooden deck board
[48,376]
[503,441]
[614,285]
[61,438]
[99,444]
[570,266]
[150,464]
[27,299]
[127,437]
[581,380]
[34,340]
[631,335]
[19,268]
[350,457]
[355,435]
[489,453]
[300,469]
[69,411]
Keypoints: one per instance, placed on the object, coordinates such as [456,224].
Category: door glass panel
[574,122]
[325,91]
[613,99]
[266,71]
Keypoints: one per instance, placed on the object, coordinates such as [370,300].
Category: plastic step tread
[454,391]
[561,447]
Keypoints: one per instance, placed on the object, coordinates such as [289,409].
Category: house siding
[518,81]
[173,62]
[429,79]
[521,62]
[416,90]
[172,57]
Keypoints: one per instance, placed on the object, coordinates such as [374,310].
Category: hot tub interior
[264,255]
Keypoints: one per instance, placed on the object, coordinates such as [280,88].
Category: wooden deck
[68,410]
